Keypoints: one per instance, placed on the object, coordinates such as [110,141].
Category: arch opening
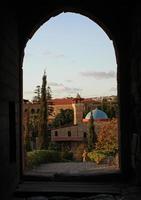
[73,95]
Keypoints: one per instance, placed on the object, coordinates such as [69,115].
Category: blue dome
[97,114]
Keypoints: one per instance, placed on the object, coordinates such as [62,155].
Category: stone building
[77,134]
[78,105]
[70,136]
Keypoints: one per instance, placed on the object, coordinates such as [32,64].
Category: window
[84,134]
[56,133]
[32,111]
[38,110]
[69,133]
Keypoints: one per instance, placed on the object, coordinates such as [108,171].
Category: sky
[77,55]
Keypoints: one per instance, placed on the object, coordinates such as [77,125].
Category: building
[71,137]
[67,136]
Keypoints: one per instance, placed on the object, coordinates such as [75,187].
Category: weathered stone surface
[94,197]
[133,196]
[100,197]
[38,198]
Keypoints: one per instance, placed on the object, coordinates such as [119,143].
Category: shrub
[53,156]
[97,156]
[54,146]
[66,156]
[107,139]
[37,157]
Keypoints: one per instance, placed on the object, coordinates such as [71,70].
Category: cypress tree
[91,134]
[37,91]
[43,133]
[49,98]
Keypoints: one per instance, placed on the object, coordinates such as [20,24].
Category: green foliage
[37,157]
[91,134]
[67,156]
[38,121]
[54,146]
[107,139]
[27,139]
[34,125]
[37,91]
[27,143]
[49,97]
[107,142]
[111,109]
[97,156]
[43,133]
[65,117]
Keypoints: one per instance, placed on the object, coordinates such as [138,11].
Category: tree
[65,117]
[111,109]
[49,98]
[34,128]
[27,139]
[43,133]
[107,139]
[37,91]
[91,134]
[49,93]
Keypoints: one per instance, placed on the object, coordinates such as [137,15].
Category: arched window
[32,111]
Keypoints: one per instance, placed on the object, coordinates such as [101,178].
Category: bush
[107,140]
[97,156]
[67,156]
[54,146]
[37,157]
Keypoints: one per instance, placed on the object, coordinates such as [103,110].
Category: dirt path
[70,168]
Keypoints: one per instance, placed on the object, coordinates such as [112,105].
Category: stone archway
[18,24]
[68,9]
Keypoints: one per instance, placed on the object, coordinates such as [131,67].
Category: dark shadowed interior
[122,23]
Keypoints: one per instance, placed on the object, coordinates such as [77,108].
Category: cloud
[55,84]
[53,54]
[47,52]
[99,75]
[61,88]
[69,81]
[59,55]
[70,90]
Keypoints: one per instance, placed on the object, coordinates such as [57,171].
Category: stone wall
[9,103]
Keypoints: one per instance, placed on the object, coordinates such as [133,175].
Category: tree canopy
[64,117]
